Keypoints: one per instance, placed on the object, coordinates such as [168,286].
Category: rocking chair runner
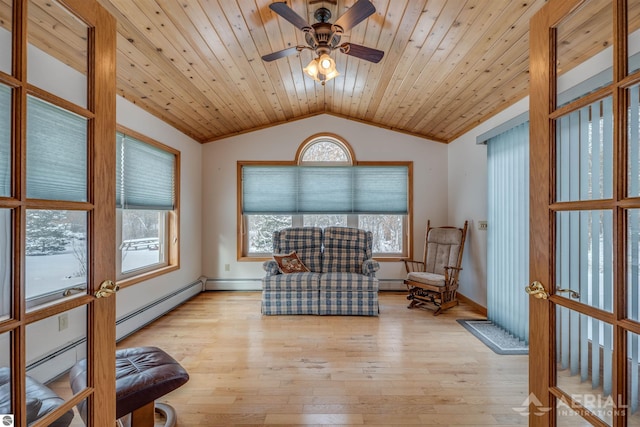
[433,282]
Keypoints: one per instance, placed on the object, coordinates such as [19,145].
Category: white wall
[369,143]
[467,183]
[134,297]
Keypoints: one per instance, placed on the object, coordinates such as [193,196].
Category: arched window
[325,186]
[325,149]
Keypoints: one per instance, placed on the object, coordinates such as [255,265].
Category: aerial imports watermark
[602,406]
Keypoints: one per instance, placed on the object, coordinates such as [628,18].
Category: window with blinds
[324,188]
[146,182]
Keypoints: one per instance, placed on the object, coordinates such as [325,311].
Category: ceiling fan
[324,37]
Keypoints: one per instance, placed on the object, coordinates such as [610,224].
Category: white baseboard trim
[233,284]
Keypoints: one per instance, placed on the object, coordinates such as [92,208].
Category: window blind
[56,153]
[508,231]
[144,175]
[325,189]
[5,141]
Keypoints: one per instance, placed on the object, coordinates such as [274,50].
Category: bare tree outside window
[261,228]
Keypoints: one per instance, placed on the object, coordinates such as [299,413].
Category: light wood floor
[403,368]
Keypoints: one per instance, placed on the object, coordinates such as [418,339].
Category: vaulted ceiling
[448,64]
[196,64]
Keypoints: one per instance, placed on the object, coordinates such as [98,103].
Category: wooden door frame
[542,368]
[101,81]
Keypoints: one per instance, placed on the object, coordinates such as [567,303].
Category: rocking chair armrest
[447,274]
[414,266]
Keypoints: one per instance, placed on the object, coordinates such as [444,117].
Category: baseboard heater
[57,362]
[134,321]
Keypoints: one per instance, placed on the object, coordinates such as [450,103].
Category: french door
[585,213]
[57,205]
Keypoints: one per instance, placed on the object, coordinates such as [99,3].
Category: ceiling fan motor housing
[323,39]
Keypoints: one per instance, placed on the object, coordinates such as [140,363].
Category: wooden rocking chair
[433,282]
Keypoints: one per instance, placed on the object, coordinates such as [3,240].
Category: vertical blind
[325,189]
[508,231]
[56,153]
[144,175]
[584,246]
[5,141]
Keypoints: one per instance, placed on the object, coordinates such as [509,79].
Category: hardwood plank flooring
[403,368]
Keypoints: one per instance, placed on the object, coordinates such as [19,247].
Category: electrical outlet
[63,321]
[482,225]
[227,267]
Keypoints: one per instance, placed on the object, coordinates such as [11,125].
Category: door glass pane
[5,373]
[54,344]
[584,357]
[633,25]
[6,23]
[633,268]
[585,57]
[57,51]
[56,153]
[633,379]
[5,140]
[633,134]
[584,248]
[584,153]
[5,264]
[56,255]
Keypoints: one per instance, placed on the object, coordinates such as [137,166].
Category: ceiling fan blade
[290,15]
[361,10]
[280,54]
[362,52]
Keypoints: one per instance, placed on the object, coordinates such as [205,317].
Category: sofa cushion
[348,282]
[305,241]
[291,301]
[293,281]
[348,303]
[290,263]
[345,249]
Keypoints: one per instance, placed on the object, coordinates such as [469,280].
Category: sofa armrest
[271,267]
[369,267]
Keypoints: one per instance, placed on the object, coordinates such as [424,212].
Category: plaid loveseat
[341,278]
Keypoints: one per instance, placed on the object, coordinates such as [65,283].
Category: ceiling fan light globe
[312,69]
[331,75]
[326,64]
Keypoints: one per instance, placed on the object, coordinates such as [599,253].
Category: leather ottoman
[143,374]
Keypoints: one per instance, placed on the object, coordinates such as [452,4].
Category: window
[146,186]
[325,187]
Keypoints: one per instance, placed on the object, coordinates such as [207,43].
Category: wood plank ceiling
[196,64]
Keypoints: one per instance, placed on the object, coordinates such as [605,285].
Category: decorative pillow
[290,263]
